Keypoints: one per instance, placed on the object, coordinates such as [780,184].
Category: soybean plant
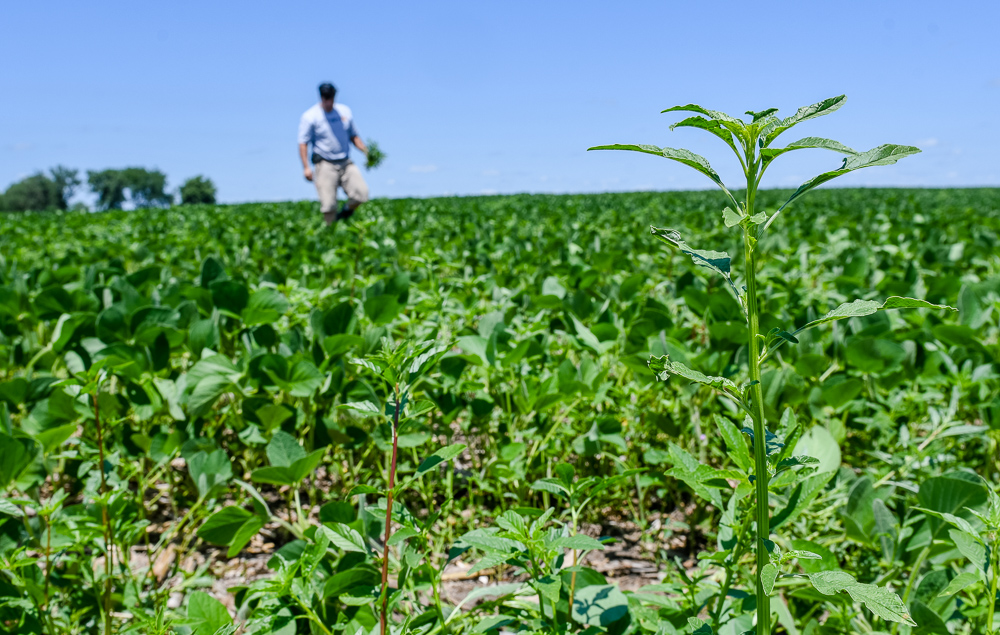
[753,144]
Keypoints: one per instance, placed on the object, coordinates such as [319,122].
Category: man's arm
[359,144]
[306,170]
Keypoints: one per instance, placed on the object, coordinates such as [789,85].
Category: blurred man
[328,127]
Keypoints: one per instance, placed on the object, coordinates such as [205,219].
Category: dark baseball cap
[327,90]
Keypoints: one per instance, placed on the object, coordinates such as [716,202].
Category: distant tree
[198,190]
[37,192]
[67,180]
[109,187]
[141,187]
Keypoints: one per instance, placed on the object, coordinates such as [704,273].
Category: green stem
[312,615]
[572,579]
[993,592]
[109,538]
[757,406]
[914,574]
[388,520]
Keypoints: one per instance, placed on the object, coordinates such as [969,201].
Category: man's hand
[306,170]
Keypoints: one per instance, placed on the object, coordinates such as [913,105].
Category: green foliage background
[232,326]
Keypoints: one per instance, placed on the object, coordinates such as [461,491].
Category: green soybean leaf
[492,623]
[205,614]
[284,449]
[599,605]
[265,306]
[860,308]
[825,107]
[232,527]
[306,465]
[209,471]
[17,454]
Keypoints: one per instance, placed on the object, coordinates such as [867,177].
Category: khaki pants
[329,176]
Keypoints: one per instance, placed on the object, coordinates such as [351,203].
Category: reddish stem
[388,521]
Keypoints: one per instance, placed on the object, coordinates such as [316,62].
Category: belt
[316,159]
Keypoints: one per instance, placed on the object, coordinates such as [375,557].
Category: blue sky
[492,97]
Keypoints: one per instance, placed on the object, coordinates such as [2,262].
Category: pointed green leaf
[860,308]
[757,116]
[960,582]
[879,600]
[444,454]
[805,113]
[344,537]
[710,125]
[550,485]
[731,218]
[718,261]
[686,157]
[971,547]
[767,577]
[402,534]
[586,336]
[735,443]
[663,367]
[886,154]
[364,407]
[579,541]
[770,154]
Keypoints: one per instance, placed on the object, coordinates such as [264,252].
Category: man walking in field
[328,127]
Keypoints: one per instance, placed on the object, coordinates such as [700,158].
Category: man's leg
[355,187]
[326,177]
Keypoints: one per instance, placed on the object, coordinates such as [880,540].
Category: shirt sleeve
[351,130]
[305,129]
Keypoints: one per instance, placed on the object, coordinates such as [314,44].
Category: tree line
[114,189]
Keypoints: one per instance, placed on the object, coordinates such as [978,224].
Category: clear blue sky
[482,97]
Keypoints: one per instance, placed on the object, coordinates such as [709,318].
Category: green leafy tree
[141,187]
[67,181]
[37,192]
[198,190]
